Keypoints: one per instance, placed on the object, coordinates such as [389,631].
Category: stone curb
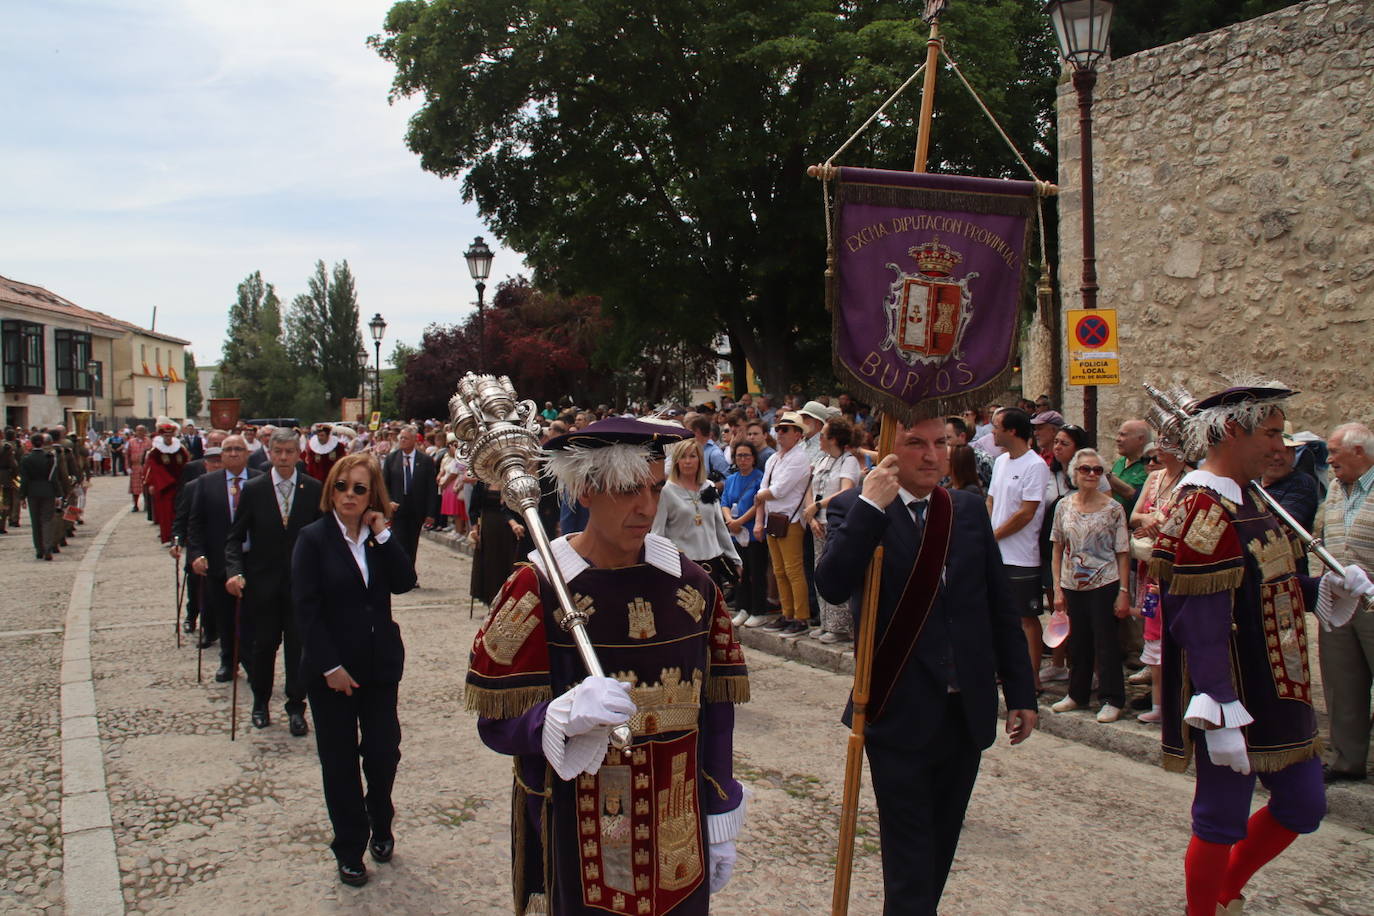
[90,880]
[1351,804]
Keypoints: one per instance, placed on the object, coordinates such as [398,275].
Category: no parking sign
[1091,345]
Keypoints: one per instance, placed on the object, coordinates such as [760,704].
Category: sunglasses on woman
[1152,459]
[1090,469]
[359,489]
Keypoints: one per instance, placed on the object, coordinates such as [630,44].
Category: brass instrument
[81,422]
[498,437]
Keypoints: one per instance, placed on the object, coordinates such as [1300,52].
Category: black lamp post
[378,328]
[362,372]
[91,367]
[1083,28]
[479,265]
[165,382]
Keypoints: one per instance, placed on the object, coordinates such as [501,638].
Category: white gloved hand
[598,702]
[1354,584]
[1226,748]
[722,861]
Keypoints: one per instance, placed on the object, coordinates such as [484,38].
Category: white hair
[1208,427]
[1354,435]
[579,470]
[1078,457]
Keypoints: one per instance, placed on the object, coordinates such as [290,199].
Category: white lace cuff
[1204,711]
[571,756]
[721,828]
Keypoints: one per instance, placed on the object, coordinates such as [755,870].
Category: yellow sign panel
[1091,345]
[376,420]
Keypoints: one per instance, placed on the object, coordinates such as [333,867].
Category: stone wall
[1234,182]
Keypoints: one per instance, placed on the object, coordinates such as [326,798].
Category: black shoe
[48,556]
[382,848]
[296,722]
[53,551]
[353,875]
[261,718]
[188,626]
[1329,775]
[206,641]
[223,674]
[1142,703]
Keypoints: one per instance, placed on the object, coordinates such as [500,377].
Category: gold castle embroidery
[1206,530]
[691,601]
[671,705]
[1274,555]
[641,619]
[511,624]
[679,852]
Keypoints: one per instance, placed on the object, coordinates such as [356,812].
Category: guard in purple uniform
[648,830]
[1235,661]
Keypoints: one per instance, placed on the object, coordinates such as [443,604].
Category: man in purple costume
[649,829]
[1235,650]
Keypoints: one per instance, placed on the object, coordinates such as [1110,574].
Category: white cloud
[161,151]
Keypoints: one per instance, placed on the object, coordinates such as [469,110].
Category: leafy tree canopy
[1141,24]
[654,152]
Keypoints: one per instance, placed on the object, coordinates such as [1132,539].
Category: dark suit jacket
[208,521]
[341,620]
[266,564]
[974,616]
[195,445]
[423,500]
[36,476]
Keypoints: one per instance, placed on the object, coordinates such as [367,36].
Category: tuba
[81,422]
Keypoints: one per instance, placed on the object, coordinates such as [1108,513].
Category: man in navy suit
[412,482]
[213,506]
[274,508]
[934,705]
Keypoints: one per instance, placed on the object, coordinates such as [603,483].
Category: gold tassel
[1273,761]
[733,689]
[504,704]
[1174,763]
[1159,568]
[536,905]
[1206,583]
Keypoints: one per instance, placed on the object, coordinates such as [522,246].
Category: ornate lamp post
[165,382]
[362,373]
[1083,27]
[91,368]
[378,328]
[479,265]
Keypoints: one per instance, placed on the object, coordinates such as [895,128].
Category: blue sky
[156,152]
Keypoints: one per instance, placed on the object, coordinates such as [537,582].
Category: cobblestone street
[201,824]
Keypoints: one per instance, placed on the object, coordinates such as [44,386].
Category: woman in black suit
[345,568]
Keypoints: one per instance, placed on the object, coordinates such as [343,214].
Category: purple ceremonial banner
[927,287]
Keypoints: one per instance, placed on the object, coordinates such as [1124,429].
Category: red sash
[922,586]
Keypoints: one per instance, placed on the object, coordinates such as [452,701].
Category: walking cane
[234,674]
[200,633]
[178,583]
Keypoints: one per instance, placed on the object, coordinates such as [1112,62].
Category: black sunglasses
[359,489]
[1073,429]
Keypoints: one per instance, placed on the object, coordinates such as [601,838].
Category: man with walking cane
[947,630]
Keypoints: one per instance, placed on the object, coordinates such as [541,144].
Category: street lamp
[378,328]
[1083,27]
[165,382]
[479,265]
[362,372]
[91,368]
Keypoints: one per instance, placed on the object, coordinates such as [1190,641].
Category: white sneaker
[816,633]
[1108,713]
[738,619]
[1140,677]
[1065,705]
[758,620]
[1051,673]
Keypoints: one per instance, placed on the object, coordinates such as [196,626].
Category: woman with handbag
[344,570]
[737,506]
[836,472]
[786,480]
[689,515]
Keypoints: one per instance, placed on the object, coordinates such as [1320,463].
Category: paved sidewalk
[201,824]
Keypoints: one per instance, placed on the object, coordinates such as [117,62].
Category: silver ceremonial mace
[498,437]
[1313,543]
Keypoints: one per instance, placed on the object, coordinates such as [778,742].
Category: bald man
[1129,472]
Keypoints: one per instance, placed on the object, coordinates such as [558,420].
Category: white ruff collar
[659,552]
[165,448]
[1224,486]
[327,447]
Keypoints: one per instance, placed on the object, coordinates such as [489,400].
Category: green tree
[255,368]
[322,336]
[654,153]
[193,399]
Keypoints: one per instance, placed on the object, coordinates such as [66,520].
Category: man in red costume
[163,464]
[323,449]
